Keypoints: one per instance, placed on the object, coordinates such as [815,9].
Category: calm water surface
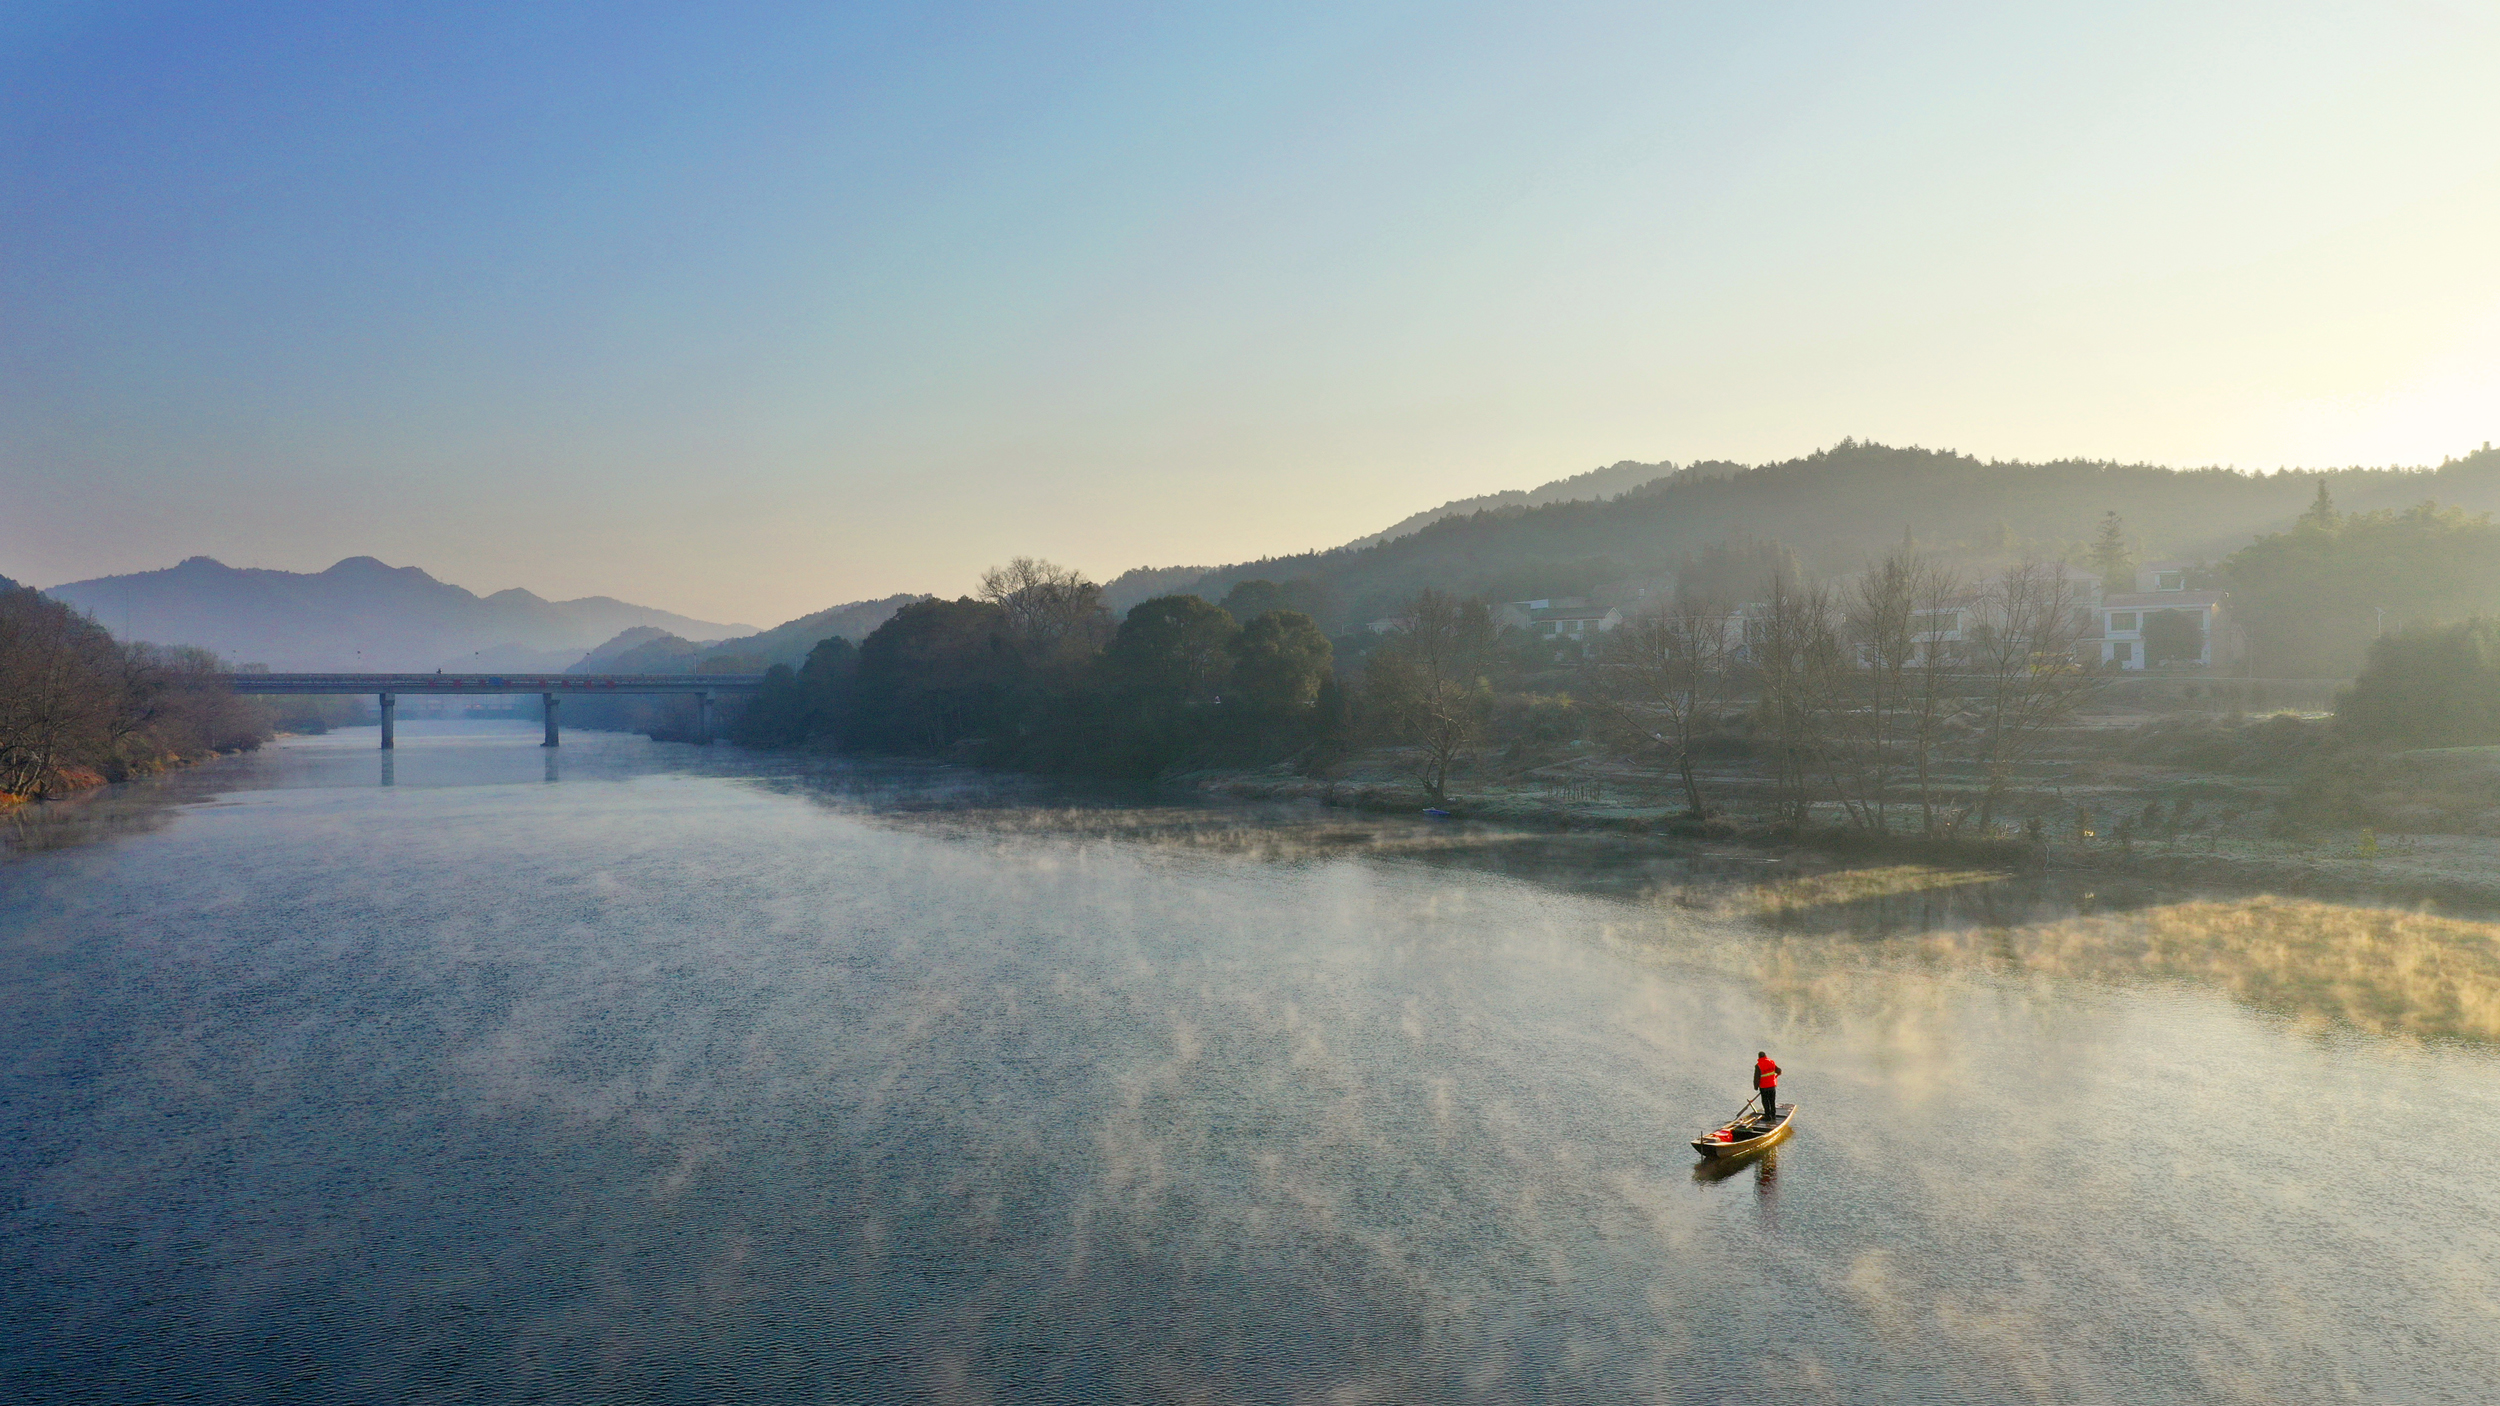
[650,1074]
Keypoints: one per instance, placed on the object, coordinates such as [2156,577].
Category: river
[639,1072]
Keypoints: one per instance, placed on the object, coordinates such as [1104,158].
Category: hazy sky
[745,310]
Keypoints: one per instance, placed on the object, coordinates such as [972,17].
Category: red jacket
[1766,1075]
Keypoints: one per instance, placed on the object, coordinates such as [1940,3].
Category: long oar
[1732,1118]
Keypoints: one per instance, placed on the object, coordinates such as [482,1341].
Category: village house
[2162,622]
[1558,617]
[1938,634]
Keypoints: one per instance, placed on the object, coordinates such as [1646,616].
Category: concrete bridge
[388,687]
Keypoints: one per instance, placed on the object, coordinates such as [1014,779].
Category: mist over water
[642,1072]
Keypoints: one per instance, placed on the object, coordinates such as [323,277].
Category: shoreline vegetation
[80,710]
[2462,874]
[1749,704]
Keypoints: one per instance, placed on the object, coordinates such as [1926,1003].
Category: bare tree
[1663,676]
[1426,686]
[1899,619]
[1934,694]
[71,698]
[2031,626]
[1795,648]
[1053,612]
[61,681]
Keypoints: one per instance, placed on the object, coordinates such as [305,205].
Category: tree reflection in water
[1810,926]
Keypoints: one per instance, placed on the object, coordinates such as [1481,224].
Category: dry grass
[1817,891]
[2388,971]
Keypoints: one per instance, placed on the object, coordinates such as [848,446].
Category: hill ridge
[360,612]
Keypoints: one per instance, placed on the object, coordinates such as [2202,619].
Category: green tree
[1251,599]
[1280,660]
[2321,512]
[938,673]
[803,705]
[2173,636]
[2312,599]
[2112,560]
[1172,649]
[2428,686]
[1151,700]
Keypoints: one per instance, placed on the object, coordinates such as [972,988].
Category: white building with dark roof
[2134,634]
[1559,617]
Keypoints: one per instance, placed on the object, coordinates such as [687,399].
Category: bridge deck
[477,684]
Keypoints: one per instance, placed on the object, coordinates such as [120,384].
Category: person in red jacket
[1766,1077]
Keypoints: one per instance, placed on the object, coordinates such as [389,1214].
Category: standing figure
[1766,1077]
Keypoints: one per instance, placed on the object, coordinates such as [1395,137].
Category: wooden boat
[1749,1134]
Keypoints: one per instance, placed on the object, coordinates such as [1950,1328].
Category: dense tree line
[1033,672]
[77,707]
[2312,599]
[1843,696]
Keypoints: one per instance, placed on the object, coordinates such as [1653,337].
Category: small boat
[1749,1134]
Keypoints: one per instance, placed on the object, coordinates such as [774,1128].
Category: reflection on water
[2386,970]
[704,1076]
[1762,1166]
[91,817]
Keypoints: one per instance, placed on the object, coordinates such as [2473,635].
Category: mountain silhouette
[361,615]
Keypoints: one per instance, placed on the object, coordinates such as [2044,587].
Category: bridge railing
[473,684]
[387,687]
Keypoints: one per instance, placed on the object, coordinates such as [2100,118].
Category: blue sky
[744,310]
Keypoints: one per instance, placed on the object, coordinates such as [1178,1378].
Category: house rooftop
[2155,600]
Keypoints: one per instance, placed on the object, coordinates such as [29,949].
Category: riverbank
[2452,871]
[63,783]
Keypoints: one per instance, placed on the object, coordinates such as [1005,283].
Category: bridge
[388,687]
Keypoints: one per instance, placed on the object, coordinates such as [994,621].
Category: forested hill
[1834,508]
[1620,477]
[789,642]
[644,650]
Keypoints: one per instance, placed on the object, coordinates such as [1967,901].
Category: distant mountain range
[362,614]
[645,650]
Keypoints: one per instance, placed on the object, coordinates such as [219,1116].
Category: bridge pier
[551,720]
[703,720]
[390,714]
